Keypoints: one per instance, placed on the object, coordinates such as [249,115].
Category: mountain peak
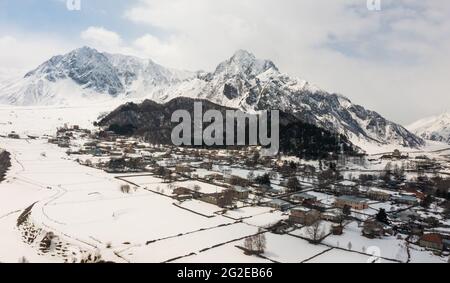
[242,54]
[85,49]
[436,128]
[244,62]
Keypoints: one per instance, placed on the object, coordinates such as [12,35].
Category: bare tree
[255,244]
[260,242]
[316,232]
[248,245]
[251,176]
[125,189]
[197,188]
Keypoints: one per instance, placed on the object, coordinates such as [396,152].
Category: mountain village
[390,207]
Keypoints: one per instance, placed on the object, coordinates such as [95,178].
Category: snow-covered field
[86,209]
[41,120]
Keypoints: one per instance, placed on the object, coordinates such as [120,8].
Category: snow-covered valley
[87,217]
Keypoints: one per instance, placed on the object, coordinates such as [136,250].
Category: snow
[289,249]
[225,254]
[342,256]
[200,207]
[247,212]
[175,247]
[266,219]
[44,120]
[390,247]
[86,203]
[419,255]
[325,227]
[436,128]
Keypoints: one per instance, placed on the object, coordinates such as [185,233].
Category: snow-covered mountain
[436,128]
[243,82]
[87,73]
[251,84]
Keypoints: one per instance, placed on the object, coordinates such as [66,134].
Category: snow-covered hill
[436,128]
[243,82]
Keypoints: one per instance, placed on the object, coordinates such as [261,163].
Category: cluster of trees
[164,173]
[393,173]
[263,179]
[122,163]
[366,179]
[382,216]
[288,168]
[329,177]
[294,185]
[435,186]
[253,160]
[442,186]
[310,142]
[238,181]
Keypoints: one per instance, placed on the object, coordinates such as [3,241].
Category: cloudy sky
[395,61]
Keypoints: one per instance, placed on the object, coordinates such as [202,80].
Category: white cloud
[101,38]
[23,52]
[395,61]
[151,46]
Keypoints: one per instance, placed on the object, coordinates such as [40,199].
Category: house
[241,192]
[395,155]
[407,215]
[405,199]
[224,199]
[379,195]
[182,169]
[432,241]
[14,135]
[373,229]
[333,215]
[263,189]
[346,188]
[354,202]
[279,204]
[303,197]
[214,177]
[184,197]
[206,165]
[337,230]
[304,216]
[414,191]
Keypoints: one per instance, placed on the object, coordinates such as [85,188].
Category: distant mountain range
[436,128]
[243,82]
